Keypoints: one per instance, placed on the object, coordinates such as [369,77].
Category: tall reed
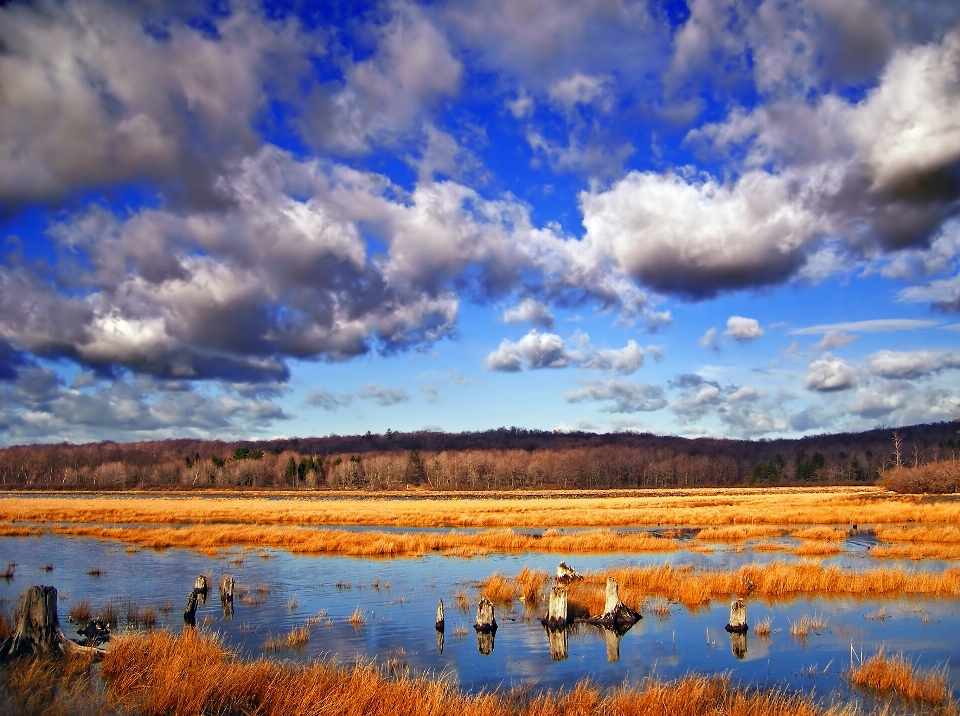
[881,672]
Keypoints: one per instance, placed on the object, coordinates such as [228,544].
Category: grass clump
[881,672]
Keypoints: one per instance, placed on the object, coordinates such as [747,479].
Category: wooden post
[440,623]
[38,629]
[200,587]
[485,619]
[226,596]
[738,617]
[558,644]
[557,609]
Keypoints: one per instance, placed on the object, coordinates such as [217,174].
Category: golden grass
[895,673]
[821,534]
[801,628]
[357,619]
[212,538]
[143,674]
[80,612]
[922,550]
[818,549]
[772,581]
[499,589]
[707,506]
[919,533]
[530,585]
[738,533]
[762,627]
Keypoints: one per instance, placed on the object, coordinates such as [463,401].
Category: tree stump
[738,617]
[616,615]
[201,588]
[226,596]
[440,622]
[38,629]
[197,596]
[558,644]
[567,574]
[485,619]
[557,609]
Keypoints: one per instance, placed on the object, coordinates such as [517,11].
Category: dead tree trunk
[616,615]
[738,617]
[567,574]
[557,609]
[226,596]
[38,629]
[440,622]
[197,596]
[485,619]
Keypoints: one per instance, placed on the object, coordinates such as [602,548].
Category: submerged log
[738,617]
[567,574]
[616,615]
[440,622]
[486,622]
[557,609]
[38,628]
[558,643]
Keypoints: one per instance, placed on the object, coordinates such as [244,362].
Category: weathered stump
[616,615]
[201,587]
[557,609]
[38,629]
[567,574]
[558,643]
[738,644]
[485,619]
[226,596]
[738,617]
[440,622]
[198,595]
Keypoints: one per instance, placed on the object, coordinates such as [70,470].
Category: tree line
[503,459]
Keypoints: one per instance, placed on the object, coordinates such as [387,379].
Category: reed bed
[921,550]
[883,673]
[772,581]
[818,549]
[213,538]
[738,533]
[714,506]
[762,627]
[142,674]
[919,533]
[821,534]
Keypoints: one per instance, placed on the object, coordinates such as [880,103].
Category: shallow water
[399,614]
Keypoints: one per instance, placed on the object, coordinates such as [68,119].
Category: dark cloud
[327,400]
[382,395]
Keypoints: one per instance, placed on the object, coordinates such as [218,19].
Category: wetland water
[398,600]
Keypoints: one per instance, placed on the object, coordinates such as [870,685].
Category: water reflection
[440,641]
[738,644]
[559,644]
[485,642]
[612,639]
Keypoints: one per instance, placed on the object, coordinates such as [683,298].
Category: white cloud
[743,329]
[834,338]
[627,396]
[879,325]
[911,364]
[529,311]
[829,374]
[709,338]
[548,350]
[579,88]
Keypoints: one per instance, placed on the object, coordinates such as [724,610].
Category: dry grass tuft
[801,628]
[762,627]
[80,612]
[660,608]
[357,619]
[818,549]
[530,585]
[821,534]
[895,673]
[499,589]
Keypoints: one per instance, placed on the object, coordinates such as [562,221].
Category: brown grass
[357,619]
[530,585]
[143,674]
[80,612]
[895,673]
[773,581]
[801,628]
[821,534]
[738,533]
[708,506]
[499,588]
[934,477]
[922,550]
[818,549]
[918,533]
[762,627]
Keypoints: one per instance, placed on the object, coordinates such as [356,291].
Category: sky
[732,218]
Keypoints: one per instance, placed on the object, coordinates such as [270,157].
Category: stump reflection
[613,645]
[485,642]
[559,649]
[738,644]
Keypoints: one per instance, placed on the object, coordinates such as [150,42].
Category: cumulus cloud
[529,311]
[80,112]
[830,374]
[626,396]
[382,395]
[743,329]
[548,350]
[709,338]
[911,364]
[579,88]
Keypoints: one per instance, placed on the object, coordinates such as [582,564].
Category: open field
[701,507]
[772,581]
[144,675]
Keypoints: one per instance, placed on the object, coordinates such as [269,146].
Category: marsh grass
[110,613]
[818,549]
[499,589]
[462,600]
[660,608]
[80,612]
[94,572]
[357,619]
[821,534]
[530,585]
[738,533]
[761,627]
[896,673]
[801,628]
[9,571]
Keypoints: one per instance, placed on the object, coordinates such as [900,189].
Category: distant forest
[504,459]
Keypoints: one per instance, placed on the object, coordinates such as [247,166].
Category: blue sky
[238,220]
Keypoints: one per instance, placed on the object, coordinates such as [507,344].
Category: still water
[398,599]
